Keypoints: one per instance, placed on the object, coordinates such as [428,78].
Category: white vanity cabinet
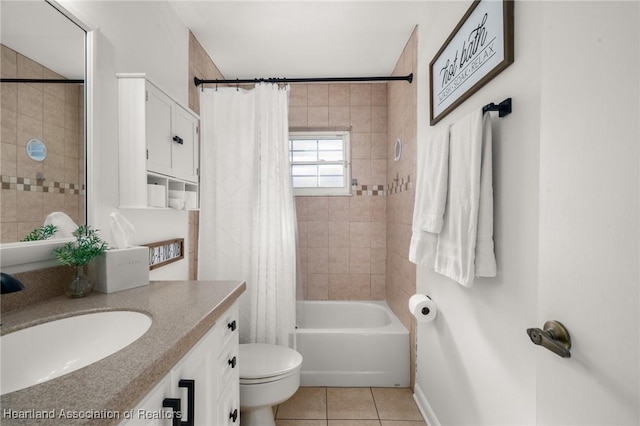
[204,384]
[158,144]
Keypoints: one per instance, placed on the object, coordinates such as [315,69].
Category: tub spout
[10,284]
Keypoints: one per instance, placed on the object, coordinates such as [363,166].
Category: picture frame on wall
[477,50]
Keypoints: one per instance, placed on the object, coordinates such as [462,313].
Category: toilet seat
[263,363]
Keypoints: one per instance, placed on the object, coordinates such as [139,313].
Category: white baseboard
[424,406]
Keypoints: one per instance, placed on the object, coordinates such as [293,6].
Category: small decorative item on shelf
[78,254]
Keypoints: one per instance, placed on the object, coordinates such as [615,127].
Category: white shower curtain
[247,212]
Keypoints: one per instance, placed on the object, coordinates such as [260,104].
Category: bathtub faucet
[10,284]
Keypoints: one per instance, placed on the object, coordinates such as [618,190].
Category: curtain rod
[39,80]
[408,78]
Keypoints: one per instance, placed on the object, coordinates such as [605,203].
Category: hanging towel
[465,243]
[431,197]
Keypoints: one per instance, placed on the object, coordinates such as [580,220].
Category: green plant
[42,233]
[85,248]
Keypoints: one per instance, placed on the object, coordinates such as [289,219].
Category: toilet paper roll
[423,308]
[192,199]
[156,195]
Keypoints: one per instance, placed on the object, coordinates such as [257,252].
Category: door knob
[554,337]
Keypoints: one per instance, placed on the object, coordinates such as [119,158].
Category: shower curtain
[247,211]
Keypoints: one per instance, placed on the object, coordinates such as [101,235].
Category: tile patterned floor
[320,406]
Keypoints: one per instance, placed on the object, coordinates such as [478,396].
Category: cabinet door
[184,152]
[159,135]
[149,412]
[196,366]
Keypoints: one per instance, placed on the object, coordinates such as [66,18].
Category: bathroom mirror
[41,41]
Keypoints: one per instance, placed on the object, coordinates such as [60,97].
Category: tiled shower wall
[401,274]
[53,113]
[201,66]
[342,239]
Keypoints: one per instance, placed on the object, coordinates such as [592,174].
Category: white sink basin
[43,352]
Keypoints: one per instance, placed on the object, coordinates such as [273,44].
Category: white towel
[468,219]
[431,197]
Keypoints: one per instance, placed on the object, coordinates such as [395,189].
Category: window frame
[345,136]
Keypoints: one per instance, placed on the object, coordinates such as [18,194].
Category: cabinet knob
[232,325]
[233,416]
[178,139]
[232,362]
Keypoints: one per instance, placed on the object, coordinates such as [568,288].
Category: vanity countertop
[182,312]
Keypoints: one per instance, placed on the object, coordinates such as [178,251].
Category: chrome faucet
[10,284]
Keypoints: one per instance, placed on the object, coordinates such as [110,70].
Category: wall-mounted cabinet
[158,142]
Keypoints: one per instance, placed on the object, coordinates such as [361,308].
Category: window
[320,163]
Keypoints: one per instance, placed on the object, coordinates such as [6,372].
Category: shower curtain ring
[237,85]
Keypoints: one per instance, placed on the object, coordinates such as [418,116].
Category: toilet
[269,375]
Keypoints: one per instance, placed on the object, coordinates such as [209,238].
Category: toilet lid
[260,360]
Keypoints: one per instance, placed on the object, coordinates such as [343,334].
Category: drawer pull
[232,362]
[175,405]
[233,416]
[232,325]
[178,139]
[191,400]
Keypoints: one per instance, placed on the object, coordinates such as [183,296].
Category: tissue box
[121,269]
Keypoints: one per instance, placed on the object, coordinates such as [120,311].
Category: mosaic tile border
[37,185]
[400,184]
[374,190]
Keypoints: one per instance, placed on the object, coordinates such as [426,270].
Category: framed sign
[478,49]
[165,252]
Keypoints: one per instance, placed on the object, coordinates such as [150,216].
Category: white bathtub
[351,343]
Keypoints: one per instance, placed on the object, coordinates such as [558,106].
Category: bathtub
[351,343]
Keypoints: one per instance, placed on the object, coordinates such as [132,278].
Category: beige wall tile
[360,94]
[317,234]
[378,283]
[28,128]
[378,118]
[28,68]
[318,208]
[318,260]
[360,287]
[379,94]
[54,137]
[339,116]
[360,118]
[8,206]
[378,234]
[378,260]
[9,159]
[53,168]
[8,62]
[379,145]
[29,206]
[30,101]
[339,94]
[318,286]
[378,209]
[360,209]
[339,234]
[298,95]
[318,116]
[360,234]
[53,108]
[298,116]
[361,146]
[8,232]
[360,260]
[338,261]
[9,99]
[338,209]
[318,95]
[9,124]
[339,286]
